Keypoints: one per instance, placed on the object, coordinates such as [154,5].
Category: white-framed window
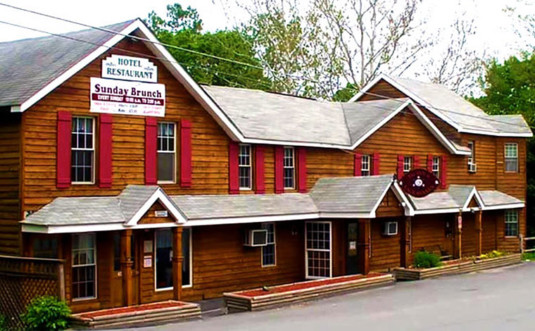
[245,168]
[163,271]
[472,157]
[166,152]
[83,150]
[84,266]
[511,157]
[407,163]
[366,165]
[269,251]
[318,249]
[511,223]
[436,166]
[187,262]
[289,168]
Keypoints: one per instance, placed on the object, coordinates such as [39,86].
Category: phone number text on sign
[130,98]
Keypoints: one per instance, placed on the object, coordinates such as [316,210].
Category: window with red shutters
[443,171]
[375,163]
[63,156]
[259,168]
[105,151]
[151,138]
[357,170]
[401,158]
[301,170]
[279,169]
[234,182]
[185,154]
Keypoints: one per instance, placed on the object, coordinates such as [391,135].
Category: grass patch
[528,256]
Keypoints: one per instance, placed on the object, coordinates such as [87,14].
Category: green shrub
[425,259]
[530,256]
[3,323]
[46,313]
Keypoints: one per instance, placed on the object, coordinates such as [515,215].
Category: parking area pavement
[497,299]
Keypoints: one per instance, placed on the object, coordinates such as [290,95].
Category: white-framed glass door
[318,250]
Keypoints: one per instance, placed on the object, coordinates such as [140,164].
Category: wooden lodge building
[151,187]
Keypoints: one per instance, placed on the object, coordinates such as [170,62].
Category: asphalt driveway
[499,299]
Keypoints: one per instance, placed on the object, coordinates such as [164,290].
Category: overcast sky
[495,28]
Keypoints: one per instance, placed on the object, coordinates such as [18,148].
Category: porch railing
[524,246]
[24,278]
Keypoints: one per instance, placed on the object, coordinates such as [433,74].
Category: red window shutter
[400,166]
[302,169]
[416,159]
[430,162]
[105,151]
[63,157]
[233,170]
[185,153]
[151,153]
[375,163]
[279,169]
[260,184]
[443,171]
[357,171]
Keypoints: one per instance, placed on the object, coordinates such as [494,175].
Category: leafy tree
[510,89]
[183,29]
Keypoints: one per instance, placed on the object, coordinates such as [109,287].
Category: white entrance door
[318,254]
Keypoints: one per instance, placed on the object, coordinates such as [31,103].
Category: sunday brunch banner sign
[112,96]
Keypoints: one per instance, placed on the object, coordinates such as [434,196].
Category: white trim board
[160,196]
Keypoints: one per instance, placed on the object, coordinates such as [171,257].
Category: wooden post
[479,232]
[177,263]
[458,236]
[364,236]
[61,281]
[127,263]
[405,241]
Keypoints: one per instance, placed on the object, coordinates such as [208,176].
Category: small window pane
[166,152]
[82,151]
[365,169]
[289,168]
[245,169]
[511,223]
[268,251]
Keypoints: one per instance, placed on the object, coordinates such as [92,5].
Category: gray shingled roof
[78,210]
[497,198]
[264,115]
[463,113]
[342,195]
[248,205]
[455,197]
[28,65]
[350,194]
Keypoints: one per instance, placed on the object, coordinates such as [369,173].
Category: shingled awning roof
[458,198]
[342,197]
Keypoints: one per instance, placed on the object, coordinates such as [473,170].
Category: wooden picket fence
[24,278]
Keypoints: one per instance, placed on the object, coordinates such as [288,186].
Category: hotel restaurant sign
[132,89]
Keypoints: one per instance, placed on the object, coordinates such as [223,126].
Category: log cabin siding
[209,142]
[221,263]
[10,169]
[385,251]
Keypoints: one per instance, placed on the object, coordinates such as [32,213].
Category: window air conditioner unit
[390,228]
[472,167]
[256,238]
